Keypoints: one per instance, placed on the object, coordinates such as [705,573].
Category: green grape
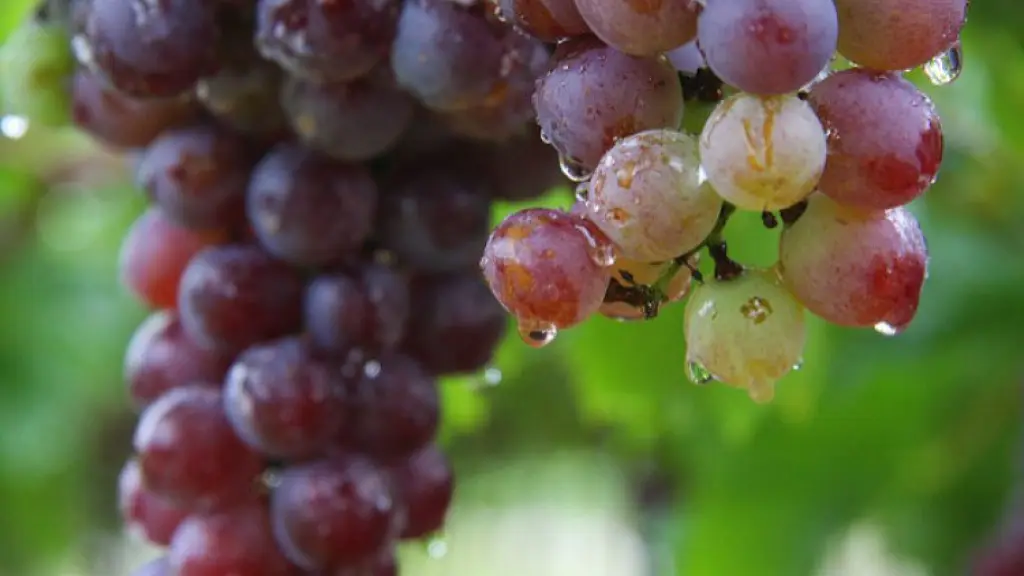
[36,65]
[747,332]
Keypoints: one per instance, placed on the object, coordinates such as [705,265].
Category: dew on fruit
[887,329]
[601,252]
[799,365]
[583,191]
[698,374]
[945,68]
[572,169]
[756,309]
[537,334]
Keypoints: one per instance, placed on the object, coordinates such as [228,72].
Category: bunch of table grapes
[834,153]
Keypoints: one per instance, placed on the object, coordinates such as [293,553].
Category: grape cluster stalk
[321,176]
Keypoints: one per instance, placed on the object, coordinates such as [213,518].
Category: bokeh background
[594,456]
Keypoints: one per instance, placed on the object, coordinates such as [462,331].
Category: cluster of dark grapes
[834,146]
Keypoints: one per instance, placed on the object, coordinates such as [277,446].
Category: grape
[645,274]
[197,175]
[149,49]
[155,567]
[161,356]
[354,121]
[687,58]
[237,541]
[746,331]
[649,197]
[436,217]
[898,34]
[446,55]
[145,513]
[382,563]
[235,296]
[326,40]
[768,46]
[396,406]
[307,209]
[154,254]
[35,62]
[332,512]
[283,402]
[521,168]
[547,20]
[641,27]
[854,268]
[119,121]
[366,310]
[245,95]
[424,486]
[763,153]
[548,269]
[458,324]
[593,95]
[884,139]
[188,453]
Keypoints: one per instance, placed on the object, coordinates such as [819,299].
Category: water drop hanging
[698,374]
[537,334]
[573,170]
[946,67]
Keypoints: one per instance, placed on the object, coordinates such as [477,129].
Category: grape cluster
[833,147]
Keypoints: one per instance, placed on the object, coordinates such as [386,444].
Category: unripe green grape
[747,332]
[36,65]
[763,153]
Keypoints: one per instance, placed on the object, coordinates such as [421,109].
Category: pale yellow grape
[747,332]
[763,153]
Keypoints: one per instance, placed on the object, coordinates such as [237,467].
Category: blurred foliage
[917,435]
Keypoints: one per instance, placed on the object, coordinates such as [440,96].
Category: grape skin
[855,268]
[593,95]
[547,20]
[155,567]
[641,27]
[245,96]
[237,541]
[424,486]
[648,197]
[146,513]
[747,331]
[885,140]
[768,47]
[763,153]
[898,34]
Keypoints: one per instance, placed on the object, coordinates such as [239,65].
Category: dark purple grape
[396,408]
[424,485]
[197,175]
[330,513]
[282,401]
[245,95]
[308,209]
[326,40]
[366,310]
[161,356]
[594,95]
[354,121]
[547,20]
[382,563]
[149,48]
[155,567]
[521,168]
[235,542]
[189,454]
[147,514]
[119,121]
[235,296]
[458,324]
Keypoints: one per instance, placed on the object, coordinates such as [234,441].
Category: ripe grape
[643,28]
[307,209]
[424,486]
[36,61]
[237,541]
[155,567]
[458,324]
[547,20]
[145,513]
[161,356]
[649,197]
[149,49]
[354,121]
[382,563]
[235,296]
[884,139]
[189,454]
[245,96]
[855,268]
[593,95]
[763,153]
[119,121]
[548,268]
[521,168]
[282,401]
[631,274]
[746,331]
[154,254]
[335,41]
[197,175]
[329,513]
[768,46]
[898,34]
[395,406]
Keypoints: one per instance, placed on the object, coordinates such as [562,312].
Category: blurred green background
[594,456]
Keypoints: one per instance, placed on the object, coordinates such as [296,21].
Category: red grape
[146,513]
[641,27]
[547,20]
[234,542]
[898,34]
[424,486]
[156,567]
[395,406]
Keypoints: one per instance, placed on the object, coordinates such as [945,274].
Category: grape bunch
[814,124]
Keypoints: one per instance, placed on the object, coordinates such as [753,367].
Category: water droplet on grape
[573,170]
[582,191]
[436,546]
[886,329]
[544,137]
[761,392]
[537,334]
[601,252]
[799,365]
[371,369]
[946,67]
[698,374]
